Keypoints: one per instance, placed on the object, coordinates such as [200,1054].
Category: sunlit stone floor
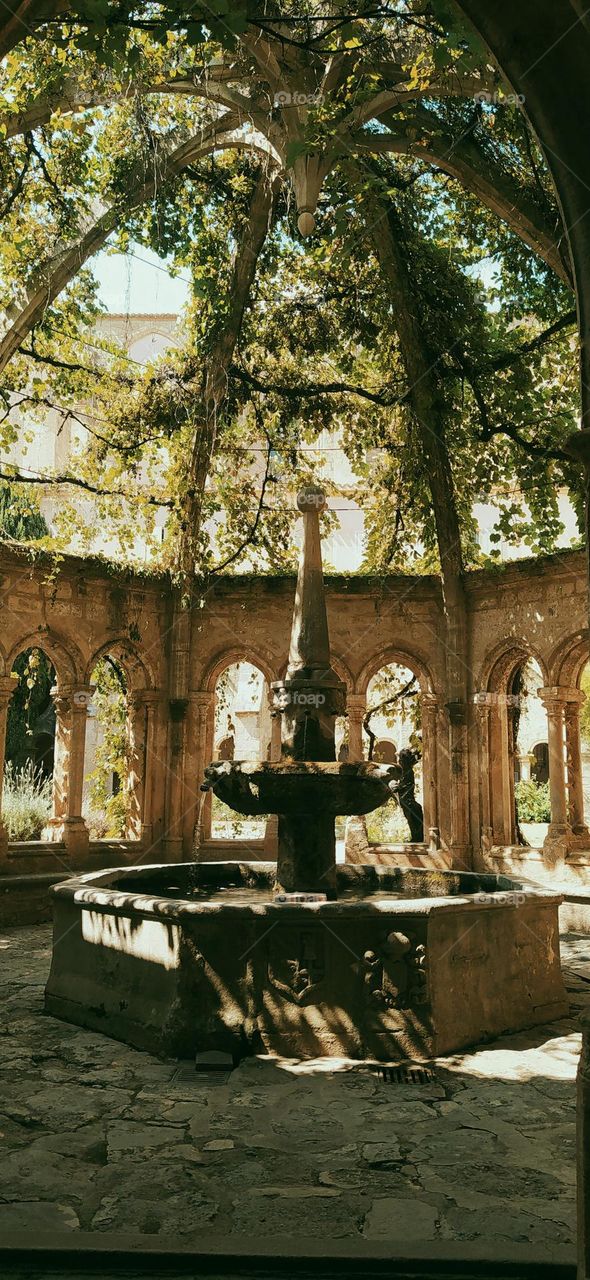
[99,1137]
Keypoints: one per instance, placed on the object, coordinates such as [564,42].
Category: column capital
[72,697]
[7,686]
[484,701]
[143,698]
[202,698]
[356,702]
[574,696]
[457,712]
[554,697]
[494,699]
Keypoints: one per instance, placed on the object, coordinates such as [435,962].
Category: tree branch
[315,389]
[407,691]
[78,483]
[251,535]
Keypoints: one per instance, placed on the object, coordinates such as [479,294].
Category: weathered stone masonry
[80,610]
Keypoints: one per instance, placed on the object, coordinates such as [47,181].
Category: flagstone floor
[96,1136]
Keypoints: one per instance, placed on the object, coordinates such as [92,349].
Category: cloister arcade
[529,613]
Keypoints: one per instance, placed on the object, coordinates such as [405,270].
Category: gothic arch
[65,656]
[137,672]
[228,658]
[388,656]
[502,663]
[569,659]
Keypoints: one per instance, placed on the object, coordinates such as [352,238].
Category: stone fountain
[307,788]
[305,958]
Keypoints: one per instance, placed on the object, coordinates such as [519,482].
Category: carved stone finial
[311,498]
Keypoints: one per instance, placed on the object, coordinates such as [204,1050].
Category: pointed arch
[63,654]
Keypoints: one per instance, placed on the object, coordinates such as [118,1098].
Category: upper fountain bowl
[256,787]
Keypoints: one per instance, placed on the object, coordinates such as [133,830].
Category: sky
[138,284]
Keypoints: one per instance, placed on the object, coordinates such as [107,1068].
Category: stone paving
[100,1137]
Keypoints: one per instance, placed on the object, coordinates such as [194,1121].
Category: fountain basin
[294,786]
[185,958]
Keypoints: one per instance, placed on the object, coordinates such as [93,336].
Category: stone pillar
[573,749]
[525,763]
[430,770]
[483,708]
[512,701]
[356,706]
[583,1147]
[458,748]
[557,839]
[177,708]
[271,833]
[203,711]
[67,824]
[7,686]
[141,711]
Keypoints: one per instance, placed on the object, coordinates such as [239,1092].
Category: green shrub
[532,801]
[27,801]
[387,825]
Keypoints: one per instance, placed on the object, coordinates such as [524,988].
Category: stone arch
[502,663]
[385,658]
[235,655]
[64,655]
[497,711]
[137,671]
[569,659]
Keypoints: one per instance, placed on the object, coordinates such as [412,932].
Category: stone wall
[80,609]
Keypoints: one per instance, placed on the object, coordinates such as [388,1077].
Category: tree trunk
[427,404]
[182,792]
[216,374]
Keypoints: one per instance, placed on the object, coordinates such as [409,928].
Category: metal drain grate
[405,1073]
[189,1075]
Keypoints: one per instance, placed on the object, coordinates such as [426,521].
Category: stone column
[204,703]
[356,705]
[483,709]
[557,839]
[7,686]
[201,707]
[141,705]
[430,770]
[271,833]
[175,777]
[508,705]
[573,749]
[459,797]
[525,763]
[71,709]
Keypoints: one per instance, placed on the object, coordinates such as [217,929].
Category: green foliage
[388,825]
[108,812]
[319,314]
[31,698]
[532,801]
[20,517]
[26,801]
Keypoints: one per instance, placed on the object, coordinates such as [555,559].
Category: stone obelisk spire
[308,701]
